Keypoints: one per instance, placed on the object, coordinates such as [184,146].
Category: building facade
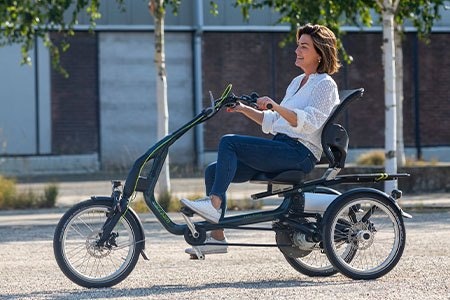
[103,116]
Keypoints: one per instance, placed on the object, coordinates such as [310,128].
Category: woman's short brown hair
[325,44]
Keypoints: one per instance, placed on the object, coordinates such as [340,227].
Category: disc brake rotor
[93,249]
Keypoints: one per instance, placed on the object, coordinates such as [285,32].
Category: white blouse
[312,103]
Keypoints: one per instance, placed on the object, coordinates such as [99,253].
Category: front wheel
[372,226]
[82,260]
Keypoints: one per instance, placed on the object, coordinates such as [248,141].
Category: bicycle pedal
[187,211]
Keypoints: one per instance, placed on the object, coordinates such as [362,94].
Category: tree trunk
[401,160]
[157,10]
[389,93]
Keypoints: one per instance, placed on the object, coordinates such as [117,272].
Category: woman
[296,124]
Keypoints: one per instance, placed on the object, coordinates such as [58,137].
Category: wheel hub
[93,249]
[362,237]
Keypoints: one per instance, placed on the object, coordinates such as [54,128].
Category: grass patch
[411,162]
[166,201]
[376,158]
[371,158]
[139,205]
[10,198]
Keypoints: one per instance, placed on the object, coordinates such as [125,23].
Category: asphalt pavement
[29,270]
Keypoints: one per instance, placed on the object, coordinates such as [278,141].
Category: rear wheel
[372,226]
[82,260]
[315,262]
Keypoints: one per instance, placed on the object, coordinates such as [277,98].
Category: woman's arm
[249,112]
[289,115]
[310,118]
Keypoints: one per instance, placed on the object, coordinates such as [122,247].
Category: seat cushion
[286,177]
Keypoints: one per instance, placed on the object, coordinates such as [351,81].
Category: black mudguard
[378,192]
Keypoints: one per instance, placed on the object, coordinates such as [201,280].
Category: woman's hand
[247,111]
[263,102]
[239,107]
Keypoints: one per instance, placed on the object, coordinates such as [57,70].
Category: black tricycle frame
[284,218]
[292,203]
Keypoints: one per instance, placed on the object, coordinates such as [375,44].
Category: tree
[394,13]
[23,21]
[333,14]
[422,14]
[157,10]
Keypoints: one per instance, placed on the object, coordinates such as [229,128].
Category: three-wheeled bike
[320,231]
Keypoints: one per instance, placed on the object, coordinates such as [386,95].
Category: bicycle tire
[78,257]
[379,240]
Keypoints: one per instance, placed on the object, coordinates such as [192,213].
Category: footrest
[199,253]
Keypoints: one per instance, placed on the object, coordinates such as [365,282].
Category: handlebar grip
[269,106]
[254,95]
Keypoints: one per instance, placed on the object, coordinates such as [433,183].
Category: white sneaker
[203,207]
[210,249]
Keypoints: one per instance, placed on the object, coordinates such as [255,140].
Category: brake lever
[208,111]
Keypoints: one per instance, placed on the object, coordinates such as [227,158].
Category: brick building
[103,115]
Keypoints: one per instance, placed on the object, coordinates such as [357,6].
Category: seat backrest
[334,137]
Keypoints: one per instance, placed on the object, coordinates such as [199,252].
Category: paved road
[28,269]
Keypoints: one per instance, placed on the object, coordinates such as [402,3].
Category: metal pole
[36,95]
[198,100]
[416,98]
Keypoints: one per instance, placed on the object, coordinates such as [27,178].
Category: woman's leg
[259,154]
[243,174]
[263,155]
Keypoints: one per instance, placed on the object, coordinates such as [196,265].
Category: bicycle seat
[334,141]
[286,177]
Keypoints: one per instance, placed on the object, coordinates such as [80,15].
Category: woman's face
[307,56]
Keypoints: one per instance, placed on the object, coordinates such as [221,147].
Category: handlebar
[229,99]
[249,100]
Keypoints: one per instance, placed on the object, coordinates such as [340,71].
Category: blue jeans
[240,158]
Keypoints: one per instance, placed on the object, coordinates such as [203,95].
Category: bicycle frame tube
[227,222]
[159,150]
[230,222]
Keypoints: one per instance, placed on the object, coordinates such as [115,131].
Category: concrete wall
[136,14]
[23,130]
[128,95]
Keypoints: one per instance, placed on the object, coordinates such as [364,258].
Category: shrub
[166,201]
[7,192]
[372,158]
[139,206]
[11,199]
[412,162]
[50,195]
